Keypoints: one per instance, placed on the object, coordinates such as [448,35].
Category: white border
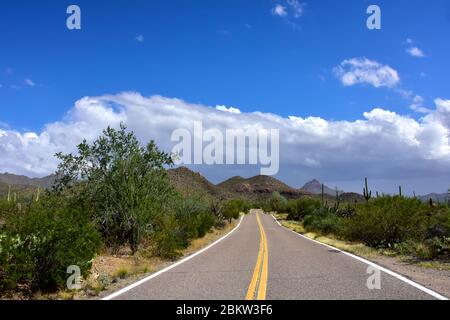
[392,273]
[154,275]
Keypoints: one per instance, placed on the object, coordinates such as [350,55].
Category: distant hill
[259,187]
[190,183]
[19,180]
[315,187]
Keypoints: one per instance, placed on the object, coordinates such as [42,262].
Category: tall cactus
[366,192]
[337,202]
[448,197]
[37,193]
[9,193]
[400,193]
[322,197]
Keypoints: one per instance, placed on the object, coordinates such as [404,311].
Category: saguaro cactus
[400,191]
[366,192]
[38,191]
[448,197]
[337,202]
[322,195]
[9,193]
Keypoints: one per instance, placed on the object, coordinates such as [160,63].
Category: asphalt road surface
[262,260]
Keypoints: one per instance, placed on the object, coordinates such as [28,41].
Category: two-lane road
[262,260]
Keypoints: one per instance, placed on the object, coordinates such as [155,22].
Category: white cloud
[230,109]
[29,82]
[365,71]
[418,105]
[415,52]
[140,38]
[417,102]
[382,144]
[279,10]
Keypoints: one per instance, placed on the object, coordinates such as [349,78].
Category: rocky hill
[259,187]
[315,187]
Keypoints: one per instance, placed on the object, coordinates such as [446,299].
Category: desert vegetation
[404,225]
[113,193]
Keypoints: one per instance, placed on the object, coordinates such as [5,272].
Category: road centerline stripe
[258,284]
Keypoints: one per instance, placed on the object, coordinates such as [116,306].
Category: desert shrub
[194,218]
[277,202]
[300,208]
[347,212]
[233,208]
[438,222]
[37,247]
[387,221]
[429,249]
[123,183]
[324,221]
[169,239]
[263,204]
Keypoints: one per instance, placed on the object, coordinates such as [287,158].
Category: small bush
[169,239]
[122,273]
[324,221]
[194,219]
[37,247]
[300,208]
[233,208]
[429,249]
[277,202]
[438,247]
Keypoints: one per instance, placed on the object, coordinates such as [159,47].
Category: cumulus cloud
[279,10]
[415,52]
[230,109]
[381,144]
[364,71]
[290,11]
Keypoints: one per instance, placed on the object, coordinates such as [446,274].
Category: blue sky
[235,53]
[287,57]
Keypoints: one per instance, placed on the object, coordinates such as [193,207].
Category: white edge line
[392,273]
[154,275]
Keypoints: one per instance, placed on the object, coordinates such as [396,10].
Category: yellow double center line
[258,285]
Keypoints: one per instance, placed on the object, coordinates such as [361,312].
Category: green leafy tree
[124,184]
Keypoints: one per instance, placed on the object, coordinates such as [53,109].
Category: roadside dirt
[434,279]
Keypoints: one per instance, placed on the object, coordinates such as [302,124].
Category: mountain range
[190,183]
